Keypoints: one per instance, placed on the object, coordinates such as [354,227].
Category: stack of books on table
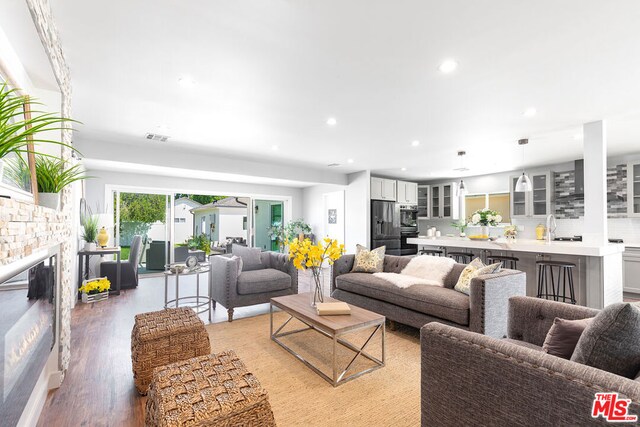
[332,308]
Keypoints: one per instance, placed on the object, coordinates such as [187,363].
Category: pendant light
[462,188]
[524,183]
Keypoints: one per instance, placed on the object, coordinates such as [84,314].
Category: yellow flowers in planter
[95,286]
[305,254]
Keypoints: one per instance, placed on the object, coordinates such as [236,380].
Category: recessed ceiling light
[331,121]
[275,147]
[349,160]
[403,169]
[448,66]
[529,112]
[415,143]
[186,81]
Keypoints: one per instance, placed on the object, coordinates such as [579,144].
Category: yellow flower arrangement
[305,254]
[95,286]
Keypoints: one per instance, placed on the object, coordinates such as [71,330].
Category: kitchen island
[598,273]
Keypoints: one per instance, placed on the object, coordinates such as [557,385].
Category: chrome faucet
[551,231]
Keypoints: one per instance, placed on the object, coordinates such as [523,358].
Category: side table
[84,255]
[199,303]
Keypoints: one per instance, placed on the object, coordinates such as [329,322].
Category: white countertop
[523,245]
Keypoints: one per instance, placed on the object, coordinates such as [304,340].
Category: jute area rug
[389,396]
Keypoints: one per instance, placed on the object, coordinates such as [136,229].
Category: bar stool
[564,278]
[460,257]
[503,260]
[432,252]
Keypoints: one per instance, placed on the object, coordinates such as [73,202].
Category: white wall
[95,188]
[358,210]
[313,206]
[230,223]
[334,201]
[183,230]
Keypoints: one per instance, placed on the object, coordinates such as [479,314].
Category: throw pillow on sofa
[611,342]
[474,269]
[239,260]
[563,336]
[368,261]
[250,257]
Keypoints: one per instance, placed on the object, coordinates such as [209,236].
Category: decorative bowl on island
[479,237]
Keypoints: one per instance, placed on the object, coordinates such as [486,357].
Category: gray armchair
[129,268]
[473,379]
[276,277]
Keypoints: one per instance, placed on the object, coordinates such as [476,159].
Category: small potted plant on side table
[94,290]
[89,224]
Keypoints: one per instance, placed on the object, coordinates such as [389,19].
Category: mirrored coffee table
[334,327]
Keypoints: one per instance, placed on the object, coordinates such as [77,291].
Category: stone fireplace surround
[28,235]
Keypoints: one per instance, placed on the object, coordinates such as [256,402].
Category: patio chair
[129,268]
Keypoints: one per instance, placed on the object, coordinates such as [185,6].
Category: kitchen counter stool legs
[560,283]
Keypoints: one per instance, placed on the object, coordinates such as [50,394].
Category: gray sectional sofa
[471,379]
[483,311]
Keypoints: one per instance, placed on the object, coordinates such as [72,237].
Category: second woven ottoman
[213,390]
[163,337]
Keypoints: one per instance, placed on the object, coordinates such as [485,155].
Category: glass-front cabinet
[534,204]
[444,201]
[424,201]
[633,186]
[435,201]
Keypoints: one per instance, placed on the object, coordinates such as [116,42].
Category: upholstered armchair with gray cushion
[472,379]
[129,268]
[257,283]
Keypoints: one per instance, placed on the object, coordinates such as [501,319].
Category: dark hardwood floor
[98,389]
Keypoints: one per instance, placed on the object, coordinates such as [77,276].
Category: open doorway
[267,214]
[146,215]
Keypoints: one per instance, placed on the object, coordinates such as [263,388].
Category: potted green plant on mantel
[52,177]
[18,130]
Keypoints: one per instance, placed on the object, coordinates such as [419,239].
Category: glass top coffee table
[334,327]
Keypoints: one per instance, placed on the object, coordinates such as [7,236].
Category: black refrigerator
[385,226]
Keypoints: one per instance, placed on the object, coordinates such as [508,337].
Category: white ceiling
[271,72]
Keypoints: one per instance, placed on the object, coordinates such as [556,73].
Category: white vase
[484,230]
[49,200]
[89,246]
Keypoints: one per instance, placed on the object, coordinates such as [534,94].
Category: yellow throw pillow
[367,261]
[474,269]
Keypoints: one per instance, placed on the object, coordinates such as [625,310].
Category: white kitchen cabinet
[633,190]
[444,202]
[631,270]
[407,193]
[533,204]
[383,189]
[424,201]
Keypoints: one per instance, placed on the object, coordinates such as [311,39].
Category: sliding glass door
[149,215]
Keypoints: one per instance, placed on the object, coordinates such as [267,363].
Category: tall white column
[595,183]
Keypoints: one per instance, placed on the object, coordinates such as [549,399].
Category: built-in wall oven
[408,228]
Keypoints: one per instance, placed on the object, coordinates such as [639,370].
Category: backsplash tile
[568,206]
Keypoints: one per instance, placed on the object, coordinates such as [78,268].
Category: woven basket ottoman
[163,337]
[212,390]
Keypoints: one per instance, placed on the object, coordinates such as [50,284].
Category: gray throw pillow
[368,261]
[250,257]
[563,336]
[239,261]
[612,341]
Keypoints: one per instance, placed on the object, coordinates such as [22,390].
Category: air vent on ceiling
[333,165]
[156,137]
